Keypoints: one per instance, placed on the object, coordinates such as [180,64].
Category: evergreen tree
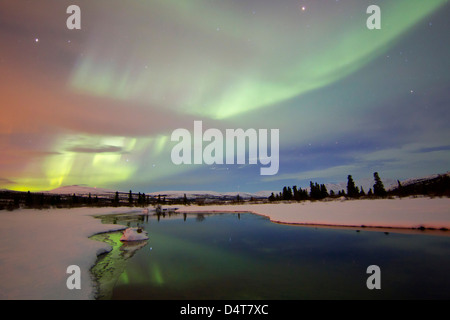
[399,188]
[303,194]
[296,195]
[29,199]
[272,197]
[312,190]
[317,191]
[378,187]
[352,190]
[289,193]
[116,198]
[130,198]
[362,193]
[323,191]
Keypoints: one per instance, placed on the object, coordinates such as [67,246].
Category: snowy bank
[37,246]
[406,213]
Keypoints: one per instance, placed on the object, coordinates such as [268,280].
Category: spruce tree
[362,193]
[399,188]
[289,193]
[295,193]
[272,197]
[130,198]
[323,191]
[29,199]
[378,187]
[352,191]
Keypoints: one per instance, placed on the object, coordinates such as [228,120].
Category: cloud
[433,149]
[328,173]
[99,149]
[6,182]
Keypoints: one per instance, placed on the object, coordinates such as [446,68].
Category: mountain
[84,190]
[211,195]
[80,190]
[366,183]
[389,184]
[411,181]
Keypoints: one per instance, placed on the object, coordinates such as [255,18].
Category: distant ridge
[366,183]
[80,190]
[85,190]
[211,194]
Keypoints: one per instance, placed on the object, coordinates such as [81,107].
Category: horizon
[366,183]
[96,106]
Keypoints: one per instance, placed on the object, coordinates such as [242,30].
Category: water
[245,256]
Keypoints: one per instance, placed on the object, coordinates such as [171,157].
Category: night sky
[97,106]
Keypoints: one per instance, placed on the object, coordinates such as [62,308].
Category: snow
[409,213]
[37,246]
[134,234]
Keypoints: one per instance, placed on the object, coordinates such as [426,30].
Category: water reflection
[244,256]
[110,267]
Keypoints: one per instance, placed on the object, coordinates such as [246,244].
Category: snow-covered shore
[37,246]
[406,213]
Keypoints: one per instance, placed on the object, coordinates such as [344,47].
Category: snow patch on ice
[134,234]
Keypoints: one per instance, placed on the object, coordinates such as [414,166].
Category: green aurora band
[269,63]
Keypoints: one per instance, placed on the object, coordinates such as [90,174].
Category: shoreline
[405,230]
[405,215]
[37,246]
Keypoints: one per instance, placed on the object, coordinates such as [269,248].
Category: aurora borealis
[97,106]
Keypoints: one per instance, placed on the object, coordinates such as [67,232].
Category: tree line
[319,191]
[11,200]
